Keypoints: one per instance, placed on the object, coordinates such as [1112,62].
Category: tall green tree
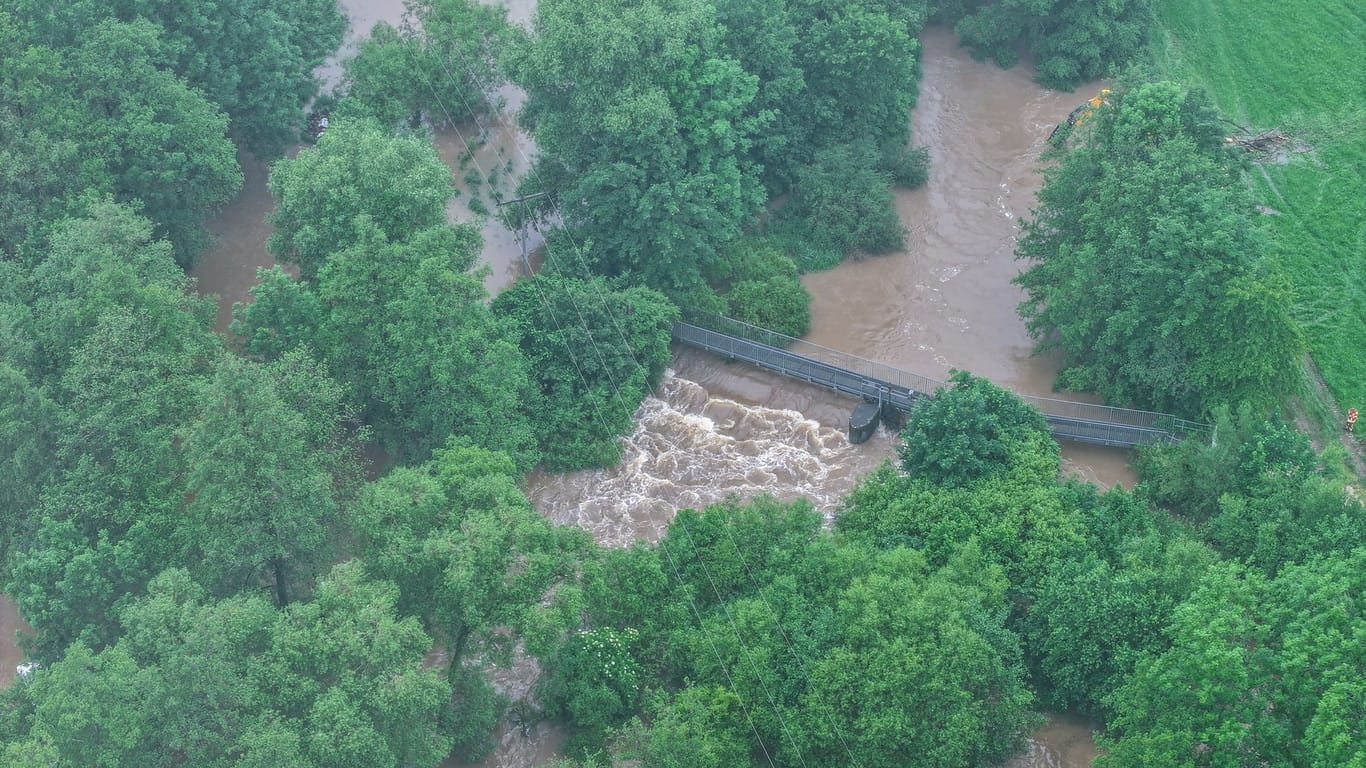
[406,327]
[136,130]
[268,475]
[119,347]
[1071,40]
[860,62]
[595,352]
[338,681]
[1259,494]
[1145,270]
[29,428]
[971,430]
[1258,672]
[398,182]
[254,59]
[1091,621]
[644,121]
[441,63]
[472,560]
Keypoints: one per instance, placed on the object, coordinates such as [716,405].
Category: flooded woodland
[715,429]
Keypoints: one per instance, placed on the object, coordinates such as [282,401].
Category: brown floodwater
[11,626]
[1064,741]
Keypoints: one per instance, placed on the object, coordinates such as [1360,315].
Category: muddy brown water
[11,626]
[1064,741]
[716,430]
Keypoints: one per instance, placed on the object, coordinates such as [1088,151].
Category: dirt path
[1349,440]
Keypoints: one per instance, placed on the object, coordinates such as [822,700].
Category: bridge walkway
[894,388]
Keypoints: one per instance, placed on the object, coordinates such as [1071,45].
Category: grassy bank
[1297,65]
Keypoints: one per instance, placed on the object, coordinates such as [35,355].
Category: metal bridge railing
[714,332]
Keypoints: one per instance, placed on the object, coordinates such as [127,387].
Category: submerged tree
[441,64]
[1072,40]
[397,182]
[595,352]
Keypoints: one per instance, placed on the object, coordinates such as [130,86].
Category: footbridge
[889,393]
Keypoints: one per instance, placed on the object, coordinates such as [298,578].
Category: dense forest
[216,575]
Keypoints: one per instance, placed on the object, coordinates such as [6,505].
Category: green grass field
[1297,65]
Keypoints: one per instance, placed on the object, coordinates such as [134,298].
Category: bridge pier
[863,422]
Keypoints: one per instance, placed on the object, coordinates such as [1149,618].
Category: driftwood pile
[1264,142]
[1273,146]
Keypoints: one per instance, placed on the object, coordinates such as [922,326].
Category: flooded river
[715,429]
[945,302]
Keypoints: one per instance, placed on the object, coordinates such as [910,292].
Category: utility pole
[521,225]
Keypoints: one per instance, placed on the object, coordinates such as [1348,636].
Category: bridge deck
[1081,422]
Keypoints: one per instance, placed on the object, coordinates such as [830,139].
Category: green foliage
[101,116]
[471,558]
[824,652]
[702,727]
[1146,272]
[829,73]
[283,315]
[408,329]
[28,446]
[761,286]
[842,202]
[596,681]
[1258,494]
[254,59]
[915,648]
[120,349]
[1257,668]
[860,64]
[1092,620]
[971,431]
[268,473]
[335,682]
[399,317]
[440,64]
[398,183]
[594,353]
[762,36]
[1288,65]
[1071,40]
[910,168]
[647,119]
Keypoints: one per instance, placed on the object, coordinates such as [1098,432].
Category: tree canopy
[101,115]
[253,59]
[595,351]
[648,119]
[337,681]
[441,64]
[1070,40]
[1145,271]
